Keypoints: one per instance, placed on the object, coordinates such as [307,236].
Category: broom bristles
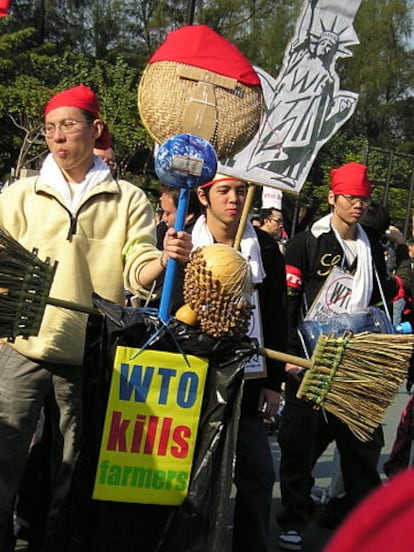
[25,282]
[356,377]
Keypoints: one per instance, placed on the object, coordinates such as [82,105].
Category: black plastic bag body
[200,524]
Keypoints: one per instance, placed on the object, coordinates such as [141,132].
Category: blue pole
[170,272]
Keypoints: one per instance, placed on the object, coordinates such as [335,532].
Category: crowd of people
[103,233]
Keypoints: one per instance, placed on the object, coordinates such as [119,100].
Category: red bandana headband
[81,97]
[221,178]
[351,179]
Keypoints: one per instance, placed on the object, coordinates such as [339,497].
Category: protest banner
[150,427]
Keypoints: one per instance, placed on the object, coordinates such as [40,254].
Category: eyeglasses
[67,126]
[353,199]
[280,222]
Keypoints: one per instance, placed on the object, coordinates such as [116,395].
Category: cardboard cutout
[304,106]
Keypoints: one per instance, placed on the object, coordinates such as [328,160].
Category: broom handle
[171,270]
[72,306]
[244,216]
[285,357]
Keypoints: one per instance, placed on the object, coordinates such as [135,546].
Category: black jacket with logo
[309,261]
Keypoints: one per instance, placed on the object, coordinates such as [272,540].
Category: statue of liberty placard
[304,106]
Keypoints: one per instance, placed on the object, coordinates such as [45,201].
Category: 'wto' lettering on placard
[138,380]
[340,296]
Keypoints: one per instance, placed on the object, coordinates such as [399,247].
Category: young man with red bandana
[223,200]
[336,240]
[102,235]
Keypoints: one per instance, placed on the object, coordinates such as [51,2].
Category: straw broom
[25,282]
[355,376]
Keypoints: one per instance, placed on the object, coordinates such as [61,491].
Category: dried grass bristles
[356,377]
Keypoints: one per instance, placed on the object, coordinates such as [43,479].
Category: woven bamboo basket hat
[197,82]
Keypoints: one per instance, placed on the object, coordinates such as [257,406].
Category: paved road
[315,537]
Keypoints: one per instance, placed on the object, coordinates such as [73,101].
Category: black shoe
[333,513]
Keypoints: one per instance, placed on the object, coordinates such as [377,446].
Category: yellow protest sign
[150,427]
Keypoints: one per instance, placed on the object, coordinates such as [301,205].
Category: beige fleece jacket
[99,249]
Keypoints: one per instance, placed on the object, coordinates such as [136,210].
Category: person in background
[336,240]
[222,200]
[169,202]
[405,267]
[101,234]
[272,222]
[404,306]
[107,154]
[378,221]
[410,247]
[255,220]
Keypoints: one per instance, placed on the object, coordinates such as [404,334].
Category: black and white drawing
[304,106]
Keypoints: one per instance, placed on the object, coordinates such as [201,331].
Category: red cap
[81,97]
[351,179]
[383,521]
[200,46]
[4,7]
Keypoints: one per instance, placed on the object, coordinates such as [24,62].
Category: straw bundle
[216,283]
[356,377]
[175,98]
[24,282]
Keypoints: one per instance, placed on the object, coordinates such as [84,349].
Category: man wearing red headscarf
[101,233]
[222,201]
[336,240]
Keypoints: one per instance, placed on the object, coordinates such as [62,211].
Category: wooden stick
[72,306]
[285,357]
[245,215]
